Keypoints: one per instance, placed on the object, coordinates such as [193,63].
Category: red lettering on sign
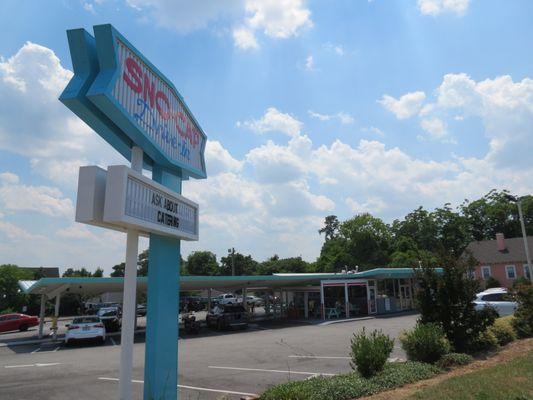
[165,113]
[133,75]
[149,90]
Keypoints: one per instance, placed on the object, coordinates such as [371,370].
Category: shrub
[503,330]
[351,386]
[523,317]
[521,281]
[453,359]
[484,341]
[369,353]
[447,299]
[425,343]
[492,282]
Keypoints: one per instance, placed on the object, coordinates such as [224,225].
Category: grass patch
[508,381]
[352,386]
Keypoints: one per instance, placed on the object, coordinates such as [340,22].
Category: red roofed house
[503,259]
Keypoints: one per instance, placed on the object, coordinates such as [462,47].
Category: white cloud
[404,107]
[218,159]
[279,19]
[372,205]
[435,127]
[244,38]
[344,118]
[186,16]
[46,200]
[309,63]
[335,48]
[436,7]
[272,163]
[51,135]
[17,234]
[274,121]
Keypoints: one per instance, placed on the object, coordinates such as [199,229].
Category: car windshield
[86,320]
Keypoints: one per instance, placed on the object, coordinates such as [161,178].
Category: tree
[83,272]
[285,265]
[118,270]
[420,226]
[142,263]
[334,256]
[331,227]
[11,297]
[448,300]
[244,265]
[99,273]
[202,263]
[368,241]
[492,283]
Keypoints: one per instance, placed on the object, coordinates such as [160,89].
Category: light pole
[524,235]
[231,252]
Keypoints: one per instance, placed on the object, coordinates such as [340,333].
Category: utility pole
[518,202]
[524,235]
[231,252]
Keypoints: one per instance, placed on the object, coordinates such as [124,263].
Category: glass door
[371,293]
[405,297]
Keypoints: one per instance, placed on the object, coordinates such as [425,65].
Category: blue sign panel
[138,105]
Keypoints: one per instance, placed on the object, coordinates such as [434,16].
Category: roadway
[211,364]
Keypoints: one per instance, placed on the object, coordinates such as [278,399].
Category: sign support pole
[129,299]
[161,355]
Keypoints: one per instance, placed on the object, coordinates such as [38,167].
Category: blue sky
[311,108]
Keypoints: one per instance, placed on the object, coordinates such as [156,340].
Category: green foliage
[523,316]
[71,272]
[451,360]
[492,282]
[484,341]
[425,343]
[118,270]
[351,386]
[503,330]
[202,263]
[370,353]
[11,297]
[279,265]
[495,213]
[521,281]
[331,227]
[244,265]
[447,300]
[99,273]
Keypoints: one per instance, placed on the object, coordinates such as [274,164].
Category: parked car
[141,310]
[224,316]
[84,328]
[17,322]
[499,298]
[226,298]
[110,317]
[253,301]
[190,303]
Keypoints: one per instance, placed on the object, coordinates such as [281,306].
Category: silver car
[498,298]
[84,328]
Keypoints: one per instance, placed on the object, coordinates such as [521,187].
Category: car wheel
[23,327]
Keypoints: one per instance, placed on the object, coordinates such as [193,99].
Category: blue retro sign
[128,101]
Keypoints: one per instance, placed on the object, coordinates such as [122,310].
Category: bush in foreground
[370,353]
[454,359]
[523,317]
[352,386]
[485,341]
[503,330]
[425,343]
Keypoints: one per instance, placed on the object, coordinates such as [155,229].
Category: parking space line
[36,350]
[322,357]
[190,387]
[272,370]
[113,341]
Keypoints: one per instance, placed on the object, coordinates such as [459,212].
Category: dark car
[17,322]
[190,303]
[111,317]
[225,316]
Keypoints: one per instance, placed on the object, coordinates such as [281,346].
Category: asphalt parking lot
[212,364]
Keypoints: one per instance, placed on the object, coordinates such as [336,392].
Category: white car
[83,328]
[227,298]
[497,298]
[253,300]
